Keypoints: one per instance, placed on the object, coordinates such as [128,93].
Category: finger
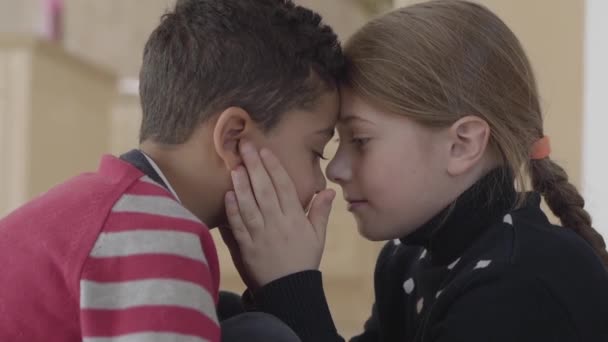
[239,231]
[263,188]
[319,212]
[285,189]
[243,225]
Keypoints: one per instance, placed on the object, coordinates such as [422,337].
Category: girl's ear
[469,138]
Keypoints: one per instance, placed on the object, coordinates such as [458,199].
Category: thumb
[318,215]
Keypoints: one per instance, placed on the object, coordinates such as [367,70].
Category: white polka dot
[508,219]
[420,305]
[409,285]
[423,254]
[438,293]
[482,264]
[396,242]
[452,265]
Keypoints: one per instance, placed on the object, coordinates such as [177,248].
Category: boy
[124,254]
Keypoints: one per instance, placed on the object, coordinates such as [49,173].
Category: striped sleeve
[147,277]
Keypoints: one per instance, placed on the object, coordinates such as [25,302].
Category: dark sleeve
[299,301]
[504,310]
[371,329]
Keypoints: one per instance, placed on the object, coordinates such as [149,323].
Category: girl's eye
[359,142]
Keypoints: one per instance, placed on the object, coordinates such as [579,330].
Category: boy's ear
[232,125]
[469,138]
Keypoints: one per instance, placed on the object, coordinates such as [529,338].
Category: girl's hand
[274,234]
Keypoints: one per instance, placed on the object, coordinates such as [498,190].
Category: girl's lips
[356,204]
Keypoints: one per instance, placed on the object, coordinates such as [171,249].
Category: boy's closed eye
[319,155]
[323,137]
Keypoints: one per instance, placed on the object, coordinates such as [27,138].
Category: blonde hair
[438,61]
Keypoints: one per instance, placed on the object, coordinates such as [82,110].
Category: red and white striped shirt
[109,256]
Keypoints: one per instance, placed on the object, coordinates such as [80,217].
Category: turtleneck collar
[447,235]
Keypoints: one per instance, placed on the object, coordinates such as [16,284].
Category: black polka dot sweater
[478,271]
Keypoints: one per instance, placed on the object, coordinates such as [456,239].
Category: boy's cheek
[302,183]
[297,164]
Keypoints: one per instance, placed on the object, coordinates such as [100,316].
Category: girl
[440,124]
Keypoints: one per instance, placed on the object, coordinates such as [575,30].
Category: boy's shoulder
[66,220]
[85,197]
[55,231]
[115,225]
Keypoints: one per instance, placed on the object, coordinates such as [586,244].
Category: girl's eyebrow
[350,118]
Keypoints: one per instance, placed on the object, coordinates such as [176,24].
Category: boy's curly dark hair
[266,56]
